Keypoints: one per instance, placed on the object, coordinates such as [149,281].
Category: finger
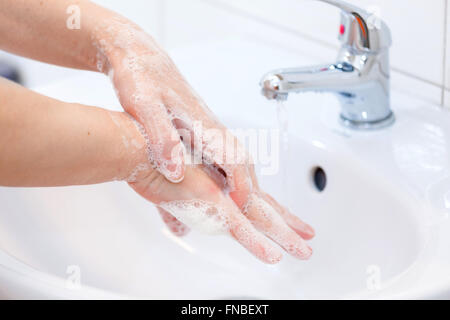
[265,219]
[243,231]
[218,147]
[166,151]
[177,227]
[212,202]
[302,228]
[241,185]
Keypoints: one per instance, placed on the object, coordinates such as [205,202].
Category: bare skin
[45,142]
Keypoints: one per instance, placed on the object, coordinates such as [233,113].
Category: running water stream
[283,127]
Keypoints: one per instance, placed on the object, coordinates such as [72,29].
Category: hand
[144,77]
[199,202]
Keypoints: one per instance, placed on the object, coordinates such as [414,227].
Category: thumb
[165,148]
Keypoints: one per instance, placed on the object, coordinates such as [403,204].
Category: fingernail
[310,231]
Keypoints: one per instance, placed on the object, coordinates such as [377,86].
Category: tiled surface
[216,24]
[418,35]
[446,97]
[204,21]
[305,17]
[192,22]
[148,14]
[417,28]
[446,93]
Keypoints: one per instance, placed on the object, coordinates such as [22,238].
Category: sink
[381,221]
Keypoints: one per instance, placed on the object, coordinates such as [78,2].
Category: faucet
[360,77]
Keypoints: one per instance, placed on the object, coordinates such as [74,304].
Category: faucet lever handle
[361,30]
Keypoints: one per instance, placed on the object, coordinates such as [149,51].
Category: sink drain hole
[319,178]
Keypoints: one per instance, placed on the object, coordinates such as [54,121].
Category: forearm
[45,142]
[38,29]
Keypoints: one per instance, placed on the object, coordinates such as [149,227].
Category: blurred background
[420,57]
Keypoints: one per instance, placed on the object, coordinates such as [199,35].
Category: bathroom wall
[420,58]
[419,29]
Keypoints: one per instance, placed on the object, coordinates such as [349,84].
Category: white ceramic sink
[382,216]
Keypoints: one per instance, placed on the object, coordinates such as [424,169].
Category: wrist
[133,163]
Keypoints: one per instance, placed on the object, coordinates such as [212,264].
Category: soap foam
[273,225]
[143,61]
[155,150]
[134,174]
[174,225]
[203,216]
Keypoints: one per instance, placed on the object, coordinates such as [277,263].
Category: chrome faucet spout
[360,78]
[332,77]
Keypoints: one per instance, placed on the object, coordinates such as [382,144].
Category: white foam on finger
[200,215]
[266,218]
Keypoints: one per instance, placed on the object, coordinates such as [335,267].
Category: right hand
[251,227]
[143,75]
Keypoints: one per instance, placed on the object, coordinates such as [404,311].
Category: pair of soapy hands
[151,89]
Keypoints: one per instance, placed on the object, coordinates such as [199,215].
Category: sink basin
[381,221]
